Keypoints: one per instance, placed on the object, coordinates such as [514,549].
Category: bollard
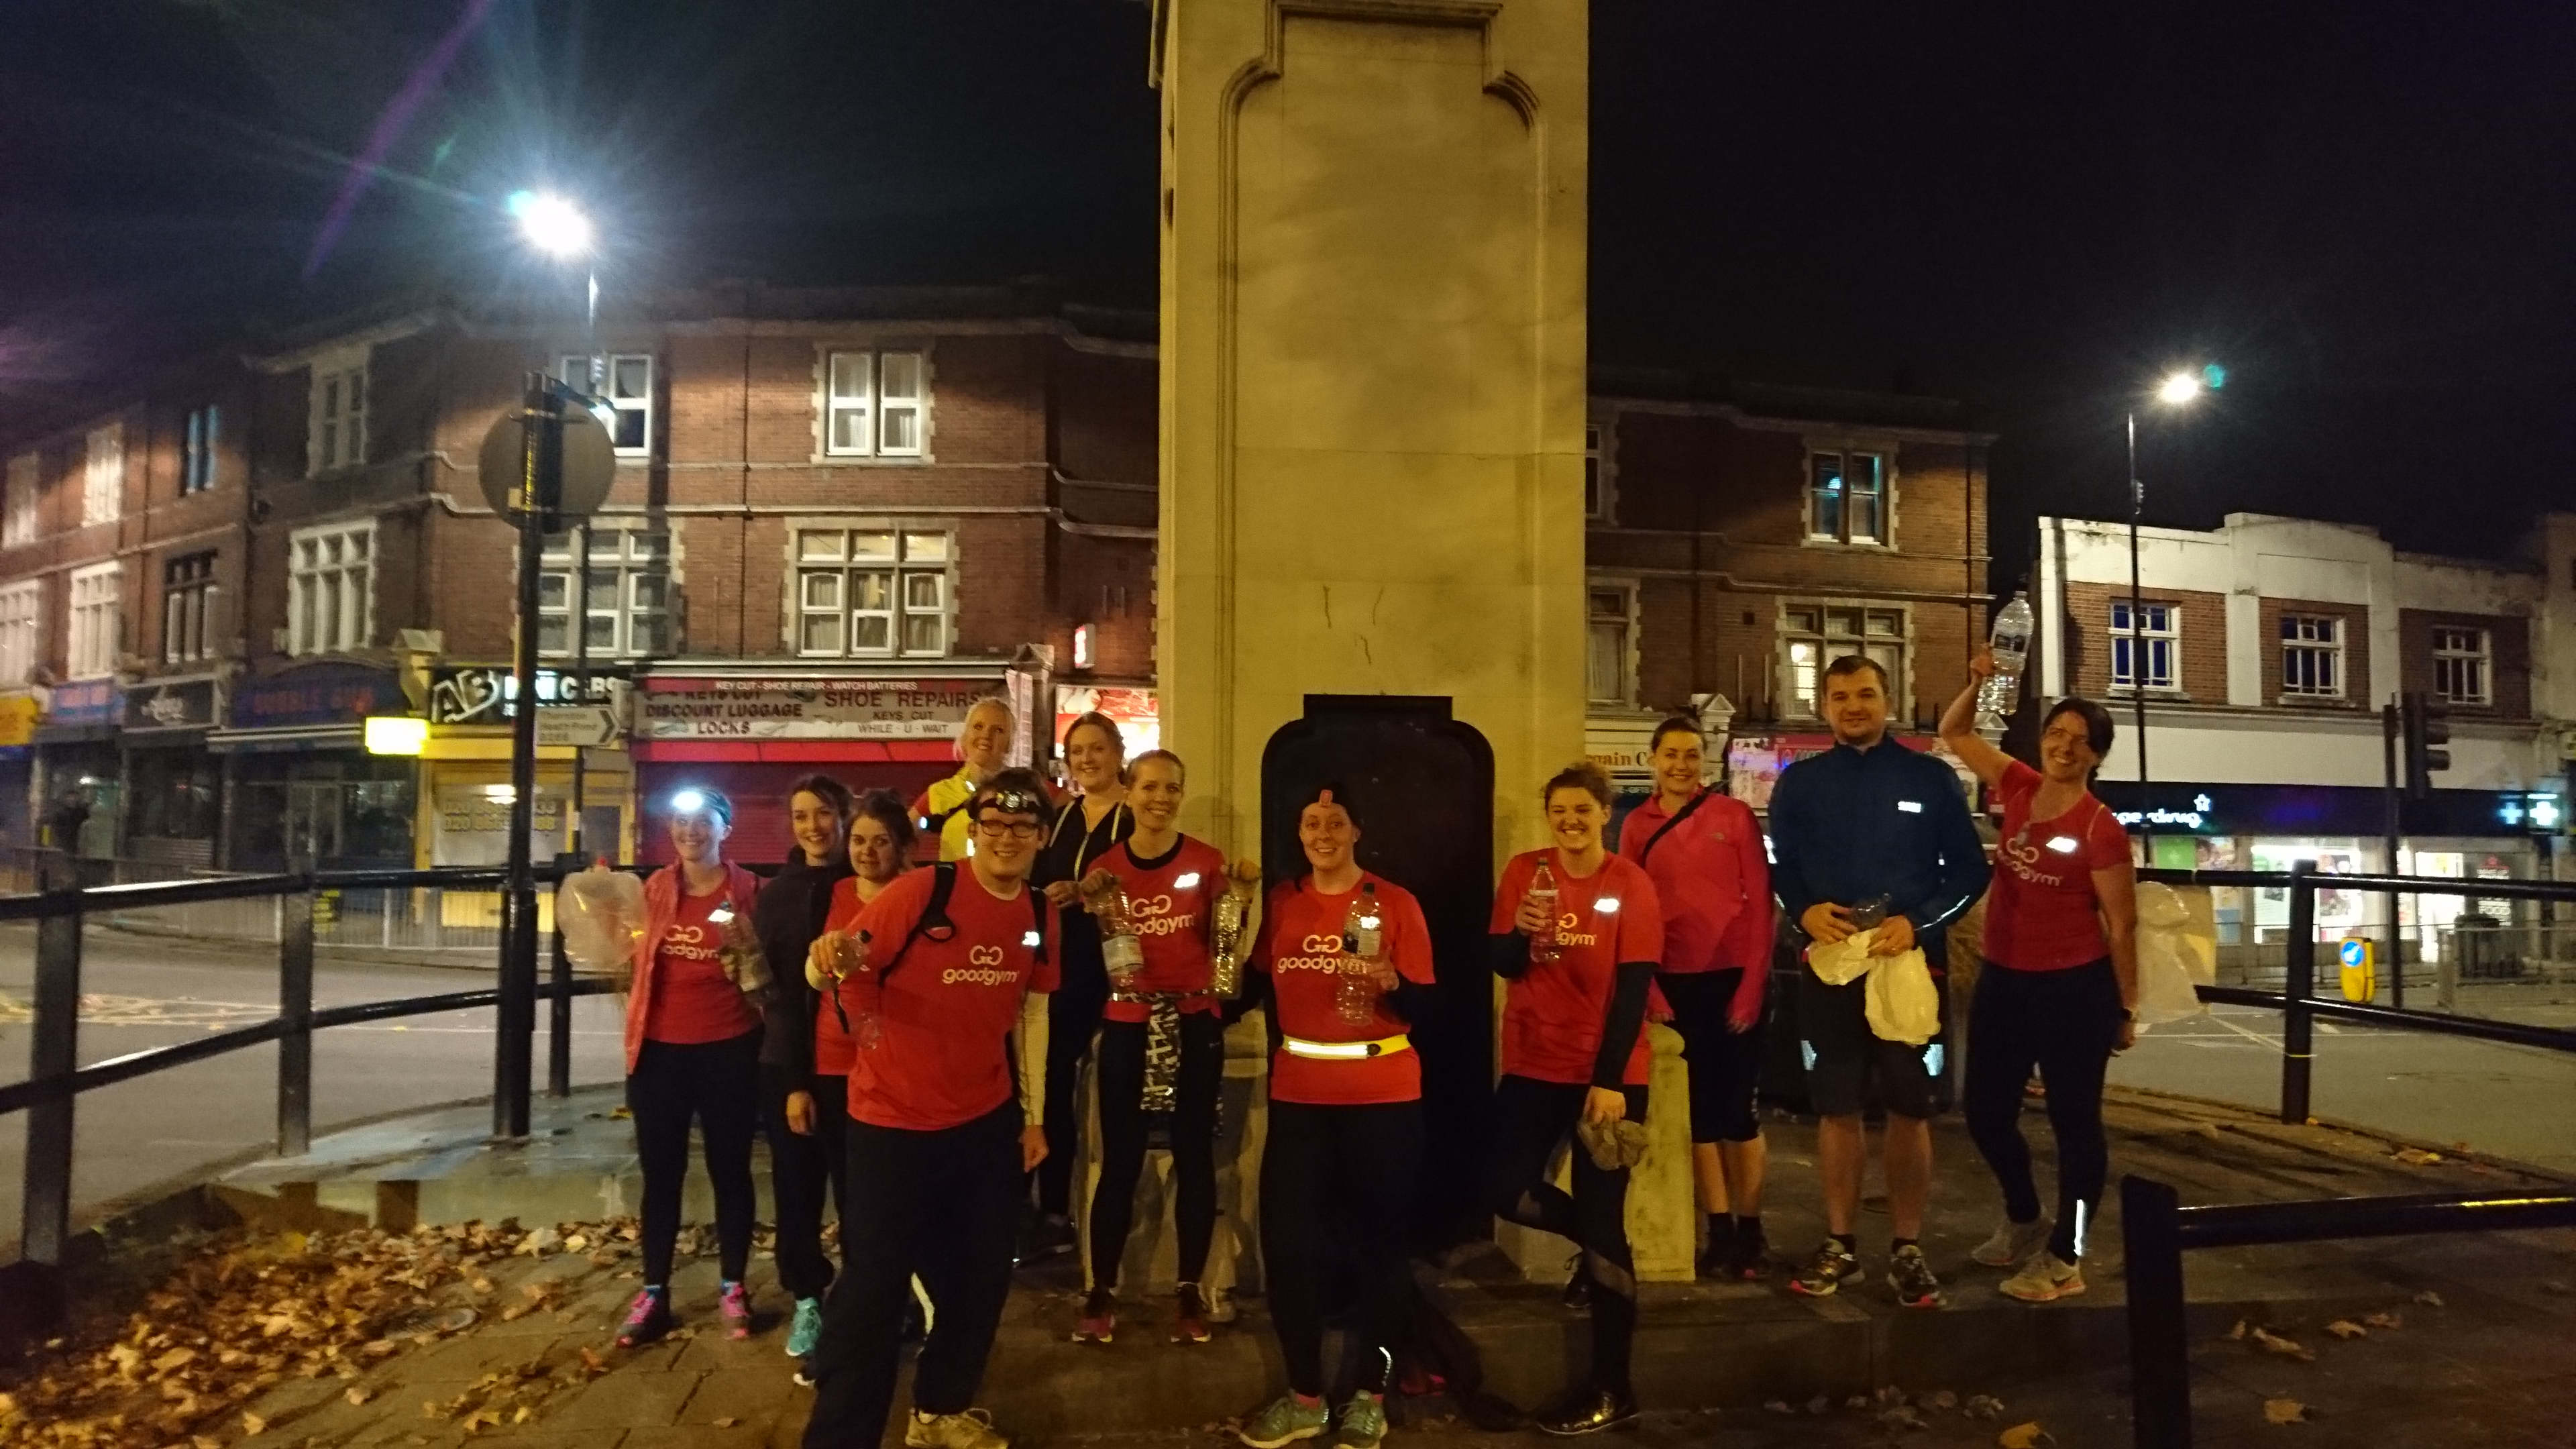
[2299,987]
[295,1017]
[52,1056]
[2159,1352]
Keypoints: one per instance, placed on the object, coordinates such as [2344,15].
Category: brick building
[1742,537]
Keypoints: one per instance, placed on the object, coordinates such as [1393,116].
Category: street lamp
[2179,389]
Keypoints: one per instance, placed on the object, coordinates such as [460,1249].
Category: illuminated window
[2156,638]
[337,419]
[103,480]
[872,592]
[2461,660]
[188,608]
[625,396]
[875,404]
[1814,635]
[626,608]
[330,588]
[2312,656]
[97,620]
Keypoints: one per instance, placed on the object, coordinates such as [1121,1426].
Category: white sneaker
[970,1429]
[2045,1279]
[2011,1243]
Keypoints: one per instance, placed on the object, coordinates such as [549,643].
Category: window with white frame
[872,592]
[625,397]
[188,608]
[25,485]
[2312,656]
[1609,626]
[875,404]
[1814,635]
[103,480]
[197,462]
[2155,638]
[625,606]
[22,631]
[1847,497]
[338,434]
[96,620]
[1599,467]
[330,588]
[2463,662]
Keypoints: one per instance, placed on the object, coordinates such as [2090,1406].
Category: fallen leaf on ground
[2346,1328]
[1779,1406]
[253,1423]
[727,1422]
[2285,1347]
[2284,1411]
[2417,1156]
[1902,1416]
[358,1394]
[524,1415]
[1984,1406]
[2429,1298]
[2383,1320]
[1941,1401]
[2023,1436]
[1856,1402]
[2237,1334]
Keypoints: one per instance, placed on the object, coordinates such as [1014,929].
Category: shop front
[465,765]
[1754,761]
[750,733]
[299,783]
[79,788]
[173,783]
[1135,710]
[20,711]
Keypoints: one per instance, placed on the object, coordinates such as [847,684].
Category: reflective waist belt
[1346,1051]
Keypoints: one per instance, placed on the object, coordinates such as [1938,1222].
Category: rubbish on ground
[2286,1347]
[2284,1411]
[2429,1298]
[2024,1436]
[2346,1328]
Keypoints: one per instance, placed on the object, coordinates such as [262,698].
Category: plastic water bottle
[1233,910]
[1997,697]
[1542,889]
[1363,941]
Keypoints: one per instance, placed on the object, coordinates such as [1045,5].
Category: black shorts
[1725,1066]
[1842,1055]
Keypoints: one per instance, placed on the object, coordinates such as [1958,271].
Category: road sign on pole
[585,725]
[587,469]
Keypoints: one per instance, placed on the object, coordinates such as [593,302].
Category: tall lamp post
[2178,390]
[555,227]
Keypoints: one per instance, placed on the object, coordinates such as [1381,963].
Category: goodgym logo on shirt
[986,969]
[1153,916]
[1567,935]
[1323,953]
[689,943]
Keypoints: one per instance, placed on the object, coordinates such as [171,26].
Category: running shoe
[2011,1243]
[1190,1316]
[1825,1273]
[1587,1410]
[1717,1259]
[2044,1279]
[1911,1276]
[1099,1320]
[966,1429]
[733,1304]
[805,1330]
[1284,1421]
[647,1318]
[1751,1262]
[1578,1284]
[1361,1424]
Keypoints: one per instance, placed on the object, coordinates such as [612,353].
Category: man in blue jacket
[1870,826]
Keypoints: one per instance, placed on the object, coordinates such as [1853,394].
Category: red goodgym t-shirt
[693,1000]
[1301,947]
[2041,915]
[833,1049]
[947,1008]
[1171,902]
[1552,1015]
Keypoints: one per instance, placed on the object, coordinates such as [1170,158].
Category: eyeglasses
[1015,829]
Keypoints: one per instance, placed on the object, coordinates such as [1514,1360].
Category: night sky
[2366,211]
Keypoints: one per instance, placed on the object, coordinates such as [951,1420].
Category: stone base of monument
[1663,1204]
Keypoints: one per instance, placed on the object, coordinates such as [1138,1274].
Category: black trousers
[1073,1017]
[1123,1128]
[1532,1119]
[717,1084]
[941,1204]
[2064,1023]
[1338,1178]
[1725,1064]
[803,1169]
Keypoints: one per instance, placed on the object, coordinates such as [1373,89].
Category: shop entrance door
[312,820]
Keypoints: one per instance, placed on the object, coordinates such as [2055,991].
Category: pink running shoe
[647,1318]
[734,1304]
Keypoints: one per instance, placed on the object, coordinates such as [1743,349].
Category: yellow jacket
[942,807]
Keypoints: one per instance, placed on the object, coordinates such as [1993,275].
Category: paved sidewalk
[1731,1365]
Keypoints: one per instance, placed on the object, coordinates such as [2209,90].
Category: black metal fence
[55,1078]
[2156,1229]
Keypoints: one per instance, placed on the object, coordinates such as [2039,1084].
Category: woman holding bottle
[1703,849]
[693,1052]
[1162,1042]
[983,742]
[1085,829]
[806,1051]
[1344,958]
[2060,985]
[1577,931]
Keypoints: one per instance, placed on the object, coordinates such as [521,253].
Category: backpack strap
[933,920]
[1678,817]
[1037,915]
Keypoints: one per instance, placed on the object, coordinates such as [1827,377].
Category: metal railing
[2156,1229]
[56,1079]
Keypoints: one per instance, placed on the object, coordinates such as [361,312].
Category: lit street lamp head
[2180,388]
[551,224]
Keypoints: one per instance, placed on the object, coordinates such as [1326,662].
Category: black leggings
[1073,1015]
[1725,1064]
[804,1167]
[1532,1119]
[1338,1177]
[717,1083]
[941,1204]
[1123,1125]
[2064,1023]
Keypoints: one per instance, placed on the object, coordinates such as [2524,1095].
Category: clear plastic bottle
[1363,943]
[1225,971]
[2010,641]
[1122,951]
[857,992]
[1542,889]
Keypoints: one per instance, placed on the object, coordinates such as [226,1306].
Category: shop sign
[467,694]
[1138,714]
[2195,819]
[1754,763]
[187,704]
[86,702]
[1622,747]
[472,824]
[315,695]
[18,716]
[805,709]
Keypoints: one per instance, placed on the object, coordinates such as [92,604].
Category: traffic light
[2427,726]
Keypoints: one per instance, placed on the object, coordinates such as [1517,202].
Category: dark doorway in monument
[1424,786]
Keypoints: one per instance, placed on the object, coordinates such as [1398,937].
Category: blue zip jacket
[1851,824]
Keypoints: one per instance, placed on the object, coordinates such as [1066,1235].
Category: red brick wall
[2508,651]
[2203,640]
[2356,654]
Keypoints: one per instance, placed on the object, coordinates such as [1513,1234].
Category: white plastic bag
[2172,957]
[600,913]
[1902,1002]
[1840,963]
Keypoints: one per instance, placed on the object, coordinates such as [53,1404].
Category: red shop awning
[793,752]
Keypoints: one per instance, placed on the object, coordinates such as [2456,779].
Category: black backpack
[935,924]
